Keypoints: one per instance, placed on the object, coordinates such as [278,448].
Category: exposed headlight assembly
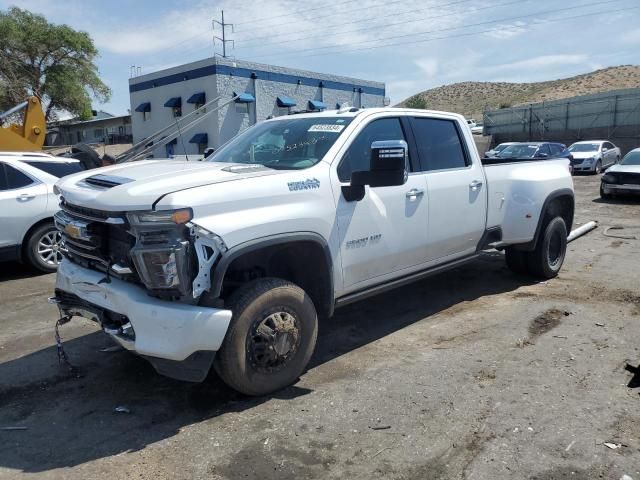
[160,217]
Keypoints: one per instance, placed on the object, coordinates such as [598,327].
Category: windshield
[631,158]
[290,144]
[522,150]
[584,147]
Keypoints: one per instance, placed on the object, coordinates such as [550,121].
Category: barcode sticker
[326,128]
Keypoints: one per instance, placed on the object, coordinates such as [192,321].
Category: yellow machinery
[30,135]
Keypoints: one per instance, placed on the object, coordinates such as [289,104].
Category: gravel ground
[475,373]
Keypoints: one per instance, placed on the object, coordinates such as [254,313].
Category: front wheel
[598,168]
[547,258]
[270,339]
[603,195]
[44,248]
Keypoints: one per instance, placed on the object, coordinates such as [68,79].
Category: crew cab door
[456,187]
[21,199]
[384,232]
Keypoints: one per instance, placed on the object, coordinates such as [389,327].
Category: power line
[256,39]
[404,22]
[447,29]
[199,49]
[293,13]
[332,14]
[466,34]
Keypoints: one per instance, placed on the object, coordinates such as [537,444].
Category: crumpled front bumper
[162,329]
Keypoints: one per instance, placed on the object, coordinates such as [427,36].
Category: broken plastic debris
[114,348]
[598,324]
[612,446]
[625,477]
[121,409]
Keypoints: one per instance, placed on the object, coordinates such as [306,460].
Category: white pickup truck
[231,262]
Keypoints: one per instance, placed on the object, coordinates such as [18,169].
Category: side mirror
[604,149]
[388,167]
[541,155]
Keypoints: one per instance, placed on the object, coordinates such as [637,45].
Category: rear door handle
[25,196]
[414,193]
[475,185]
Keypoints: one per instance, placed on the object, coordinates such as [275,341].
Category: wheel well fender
[303,258]
[558,203]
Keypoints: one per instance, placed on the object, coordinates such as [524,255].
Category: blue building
[160,98]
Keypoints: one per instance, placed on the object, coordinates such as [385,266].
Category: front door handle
[414,193]
[475,185]
[25,196]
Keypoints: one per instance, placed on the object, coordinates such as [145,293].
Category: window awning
[316,105]
[286,102]
[199,97]
[173,102]
[244,97]
[200,138]
[144,107]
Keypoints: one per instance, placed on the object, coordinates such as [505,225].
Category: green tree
[416,101]
[53,62]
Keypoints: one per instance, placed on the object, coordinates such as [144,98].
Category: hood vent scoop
[107,181]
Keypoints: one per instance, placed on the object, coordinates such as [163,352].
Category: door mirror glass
[604,149]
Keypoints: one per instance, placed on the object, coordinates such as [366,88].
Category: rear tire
[547,258]
[271,337]
[516,261]
[43,248]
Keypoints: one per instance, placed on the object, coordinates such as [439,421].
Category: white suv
[27,205]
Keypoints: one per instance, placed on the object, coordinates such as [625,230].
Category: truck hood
[138,185]
[624,168]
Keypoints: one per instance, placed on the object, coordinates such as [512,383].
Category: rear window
[57,169]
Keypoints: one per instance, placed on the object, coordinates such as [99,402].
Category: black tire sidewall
[263,297]
[31,252]
[539,260]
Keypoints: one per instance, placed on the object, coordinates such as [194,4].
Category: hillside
[471,98]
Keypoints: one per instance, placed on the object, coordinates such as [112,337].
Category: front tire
[598,168]
[43,250]
[605,196]
[271,337]
[547,258]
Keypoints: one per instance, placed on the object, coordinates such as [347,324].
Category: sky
[409,45]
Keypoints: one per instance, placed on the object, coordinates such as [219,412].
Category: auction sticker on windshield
[326,128]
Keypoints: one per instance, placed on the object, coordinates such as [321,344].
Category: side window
[608,145]
[545,149]
[556,149]
[3,178]
[439,144]
[16,179]
[358,156]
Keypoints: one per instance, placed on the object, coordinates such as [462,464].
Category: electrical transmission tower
[223,40]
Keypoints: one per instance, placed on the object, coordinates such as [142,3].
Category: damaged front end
[162,250]
[140,276]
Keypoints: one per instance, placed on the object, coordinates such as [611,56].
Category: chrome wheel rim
[49,248]
[273,341]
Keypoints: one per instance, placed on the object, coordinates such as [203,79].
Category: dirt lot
[475,373]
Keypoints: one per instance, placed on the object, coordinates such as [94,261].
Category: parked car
[622,178]
[531,150]
[231,261]
[594,156]
[497,149]
[27,206]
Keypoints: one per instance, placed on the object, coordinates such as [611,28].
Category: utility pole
[223,40]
